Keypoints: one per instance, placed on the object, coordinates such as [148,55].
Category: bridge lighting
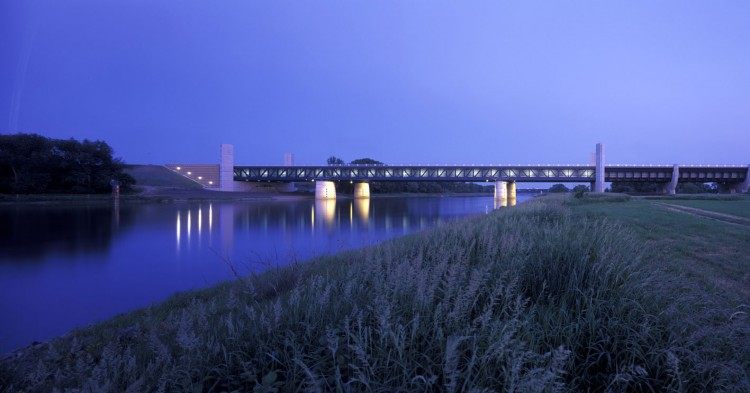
[178,168]
[190,173]
[210,182]
[200,177]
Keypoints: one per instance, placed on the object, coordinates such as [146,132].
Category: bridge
[229,177]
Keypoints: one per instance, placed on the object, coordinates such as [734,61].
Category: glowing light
[200,177]
[326,209]
[188,227]
[178,168]
[178,230]
[210,182]
[190,173]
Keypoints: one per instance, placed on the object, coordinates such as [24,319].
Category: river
[66,266]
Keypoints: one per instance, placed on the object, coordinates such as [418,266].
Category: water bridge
[230,177]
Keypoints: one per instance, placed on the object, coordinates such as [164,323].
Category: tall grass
[531,299]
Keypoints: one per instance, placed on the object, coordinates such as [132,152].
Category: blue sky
[404,82]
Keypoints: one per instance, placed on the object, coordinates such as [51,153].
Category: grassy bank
[159,176]
[737,207]
[552,295]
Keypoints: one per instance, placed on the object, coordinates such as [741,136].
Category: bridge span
[227,176]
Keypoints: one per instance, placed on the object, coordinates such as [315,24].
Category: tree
[31,163]
[649,187]
[580,190]
[558,188]
[640,187]
[366,161]
[333,160]
[695,188]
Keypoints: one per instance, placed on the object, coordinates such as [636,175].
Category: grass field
[553,295]
[737,207]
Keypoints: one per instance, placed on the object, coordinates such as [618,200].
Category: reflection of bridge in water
[229,177]
[203,224]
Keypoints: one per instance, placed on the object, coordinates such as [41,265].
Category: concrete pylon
[511,193]
[745,185]
[599,182]
[671,188]
[501,190]
[362,190]
[325,189]
[289,161]
[226,168]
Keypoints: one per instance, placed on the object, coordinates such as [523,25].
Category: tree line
[34,164]
[644,187]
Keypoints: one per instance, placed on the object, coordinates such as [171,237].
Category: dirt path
[728,218]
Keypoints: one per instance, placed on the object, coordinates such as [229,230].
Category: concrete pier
[511,193]
[599,183]
[501,191]
[289,161]
[325,189]
[362,190]
[745,185]
[671,188]
[226,168]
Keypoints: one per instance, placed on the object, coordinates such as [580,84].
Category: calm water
[63,267]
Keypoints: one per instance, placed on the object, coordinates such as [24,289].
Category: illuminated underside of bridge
[551,173]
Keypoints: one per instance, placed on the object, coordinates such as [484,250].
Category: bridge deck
[466,173]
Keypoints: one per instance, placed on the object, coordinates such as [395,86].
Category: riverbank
[592,296]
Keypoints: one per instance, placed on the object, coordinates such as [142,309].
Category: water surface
[64,266]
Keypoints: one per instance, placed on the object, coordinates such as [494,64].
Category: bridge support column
[226,168]
[671,188]
[745,185]
[599,183]
[289,161]
[501,191]
[511,193]
[362,190]
[325,189]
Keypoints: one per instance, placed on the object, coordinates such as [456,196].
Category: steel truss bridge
[484,173]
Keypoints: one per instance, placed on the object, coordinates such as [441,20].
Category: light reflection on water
[67,266]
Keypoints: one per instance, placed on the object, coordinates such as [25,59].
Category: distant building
[288,159]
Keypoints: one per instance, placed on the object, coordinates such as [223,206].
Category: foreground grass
[710,254]
[548,296]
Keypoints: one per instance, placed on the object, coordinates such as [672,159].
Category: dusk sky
[403,82]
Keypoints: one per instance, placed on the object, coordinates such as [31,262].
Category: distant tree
[637,187]
[558,188]
[580,190]
[696,188]
[366,161]
[31,163]
[333,160]
[646,187]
